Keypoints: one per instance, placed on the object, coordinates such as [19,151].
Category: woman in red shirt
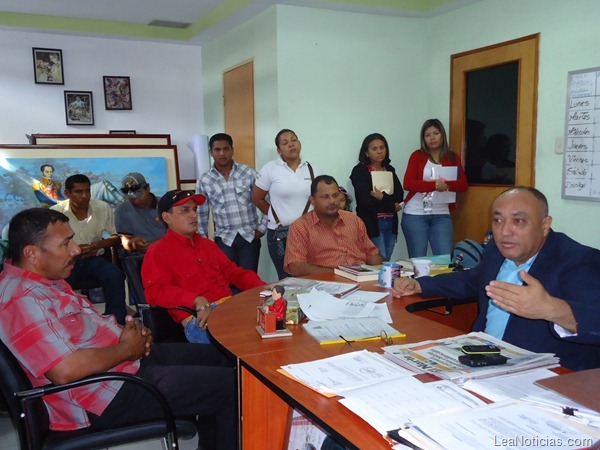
[426,218]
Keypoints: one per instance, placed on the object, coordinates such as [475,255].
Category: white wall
[569,39]
[166,84]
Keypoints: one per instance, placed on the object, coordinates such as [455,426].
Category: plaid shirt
[231,202]
[42,322]
[311,241]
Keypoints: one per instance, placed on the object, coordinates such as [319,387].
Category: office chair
[156,318]
[30,417]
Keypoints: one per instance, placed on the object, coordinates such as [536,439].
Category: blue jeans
[107,275]
[243,253]
[386,240]
[435,229]
[195,334]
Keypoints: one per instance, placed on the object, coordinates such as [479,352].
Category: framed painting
[117,93]
[34,175]
[79,107]
[48,66]
[121,131]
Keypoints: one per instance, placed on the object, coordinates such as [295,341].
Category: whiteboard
[581,164]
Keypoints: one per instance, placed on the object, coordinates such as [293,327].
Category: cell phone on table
[480,350]
[491,359]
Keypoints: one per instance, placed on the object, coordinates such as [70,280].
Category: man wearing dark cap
[185,269]
[136,219]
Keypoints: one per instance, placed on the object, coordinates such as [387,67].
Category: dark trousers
[243,253]
[196,379]
[106,275]
[277,253]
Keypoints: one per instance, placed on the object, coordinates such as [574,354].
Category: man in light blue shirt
[228,188]
[537,288]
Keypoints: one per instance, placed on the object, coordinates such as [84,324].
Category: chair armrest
[447,303]
[181,308]
[41,391]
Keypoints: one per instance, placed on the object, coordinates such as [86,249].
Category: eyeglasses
[132,188]
[385,338]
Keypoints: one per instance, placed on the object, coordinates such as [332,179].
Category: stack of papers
[385,395]
[341,373]
[349,330]
[319,305]
[441,357]
[392,404]
[499,425]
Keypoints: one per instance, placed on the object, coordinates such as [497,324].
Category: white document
[366,296]
[349,330]
[347,371]
[449,173]
[319,305]
[382,312]
[504,425]
[384,181]
[389,405]
[510,387]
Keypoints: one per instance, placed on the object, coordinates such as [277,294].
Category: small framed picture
[79,108]
[48,66]
[121,131]
[117,92]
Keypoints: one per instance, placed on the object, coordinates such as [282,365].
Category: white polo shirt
[288,190]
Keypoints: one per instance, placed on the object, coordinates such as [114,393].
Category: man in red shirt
[185,269]
[58,336]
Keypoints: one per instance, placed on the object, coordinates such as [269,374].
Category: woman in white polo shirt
[287,181]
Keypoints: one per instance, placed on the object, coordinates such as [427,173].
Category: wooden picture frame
[79,107]
[117,93]
[121,132]
[48,66]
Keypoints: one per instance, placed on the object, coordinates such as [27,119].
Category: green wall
[335,77]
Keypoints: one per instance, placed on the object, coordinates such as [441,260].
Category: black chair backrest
[13,379]
[132,266]
[164,328]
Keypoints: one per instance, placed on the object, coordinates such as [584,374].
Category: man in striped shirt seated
[326,237]
[58,337]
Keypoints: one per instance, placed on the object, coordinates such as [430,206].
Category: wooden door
[473,216]
[238,99]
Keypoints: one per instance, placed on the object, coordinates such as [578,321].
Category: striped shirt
[231,203]
[42,322]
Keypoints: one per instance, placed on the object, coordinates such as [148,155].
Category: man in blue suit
[537,289]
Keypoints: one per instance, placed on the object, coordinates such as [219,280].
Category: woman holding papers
[433,176]
[378,193]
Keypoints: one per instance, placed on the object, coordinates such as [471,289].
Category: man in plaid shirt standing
[228,189]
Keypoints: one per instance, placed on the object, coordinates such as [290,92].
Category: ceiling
[206,19]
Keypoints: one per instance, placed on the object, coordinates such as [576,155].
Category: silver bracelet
[202,308]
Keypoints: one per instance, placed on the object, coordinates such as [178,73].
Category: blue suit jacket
[567,270]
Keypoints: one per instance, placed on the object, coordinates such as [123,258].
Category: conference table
[267,397]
